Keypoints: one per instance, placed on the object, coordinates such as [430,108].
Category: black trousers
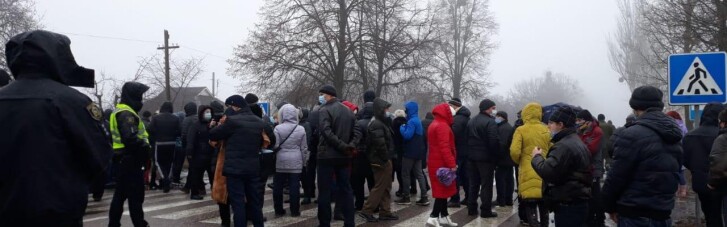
[481,176]
[596,216]
[505,182]
[397,171]
[198,166]
[535,212]
[98,184]
[130,187]
[165,159]
[439,209]
[309,177]
[361,175]
[179,157]
[711,207]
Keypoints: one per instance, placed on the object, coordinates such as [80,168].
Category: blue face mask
[498,120]
[321,100]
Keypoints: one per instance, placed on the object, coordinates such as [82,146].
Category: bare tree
[16,16]
[296,39]
[396,33]
[548,89]
[463,46]
[182,73]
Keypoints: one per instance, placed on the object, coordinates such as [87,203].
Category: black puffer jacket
[337,135]
[165,126]
[363,124]
[198,137]
[645,170]
[505,131]
[190,111]
[459,128]
[566,172]
[379,138]
[718,163]
[243,135]
[698,145]
[483,140]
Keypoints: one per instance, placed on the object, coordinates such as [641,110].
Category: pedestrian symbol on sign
[697,81]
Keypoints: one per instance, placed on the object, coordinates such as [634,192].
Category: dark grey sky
[564,36]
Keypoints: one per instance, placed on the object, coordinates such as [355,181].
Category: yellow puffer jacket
[526,138]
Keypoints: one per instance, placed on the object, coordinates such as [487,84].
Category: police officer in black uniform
[52,144]
[128,130]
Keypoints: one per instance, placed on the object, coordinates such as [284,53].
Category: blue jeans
[241,189]
[573,214]
[343,182]
[294,182]
[642,222]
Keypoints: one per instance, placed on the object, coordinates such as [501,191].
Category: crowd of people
[561,158]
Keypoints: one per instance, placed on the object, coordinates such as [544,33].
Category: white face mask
[494,112]
[207,116]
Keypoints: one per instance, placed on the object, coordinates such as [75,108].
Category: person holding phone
[566,170]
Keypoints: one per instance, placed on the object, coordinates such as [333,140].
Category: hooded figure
[191,115]
[165,129]
[291,158]
[526,138]
[200,151]
[218,110]
[697,146]
[52,137]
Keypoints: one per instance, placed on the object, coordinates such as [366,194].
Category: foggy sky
[564,36]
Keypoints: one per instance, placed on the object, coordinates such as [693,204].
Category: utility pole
[166,48]
[213,85]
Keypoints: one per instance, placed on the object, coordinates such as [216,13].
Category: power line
[110,37]
[143,41]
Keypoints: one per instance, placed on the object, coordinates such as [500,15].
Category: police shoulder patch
[94,111]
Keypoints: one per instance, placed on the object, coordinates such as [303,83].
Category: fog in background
[566,37]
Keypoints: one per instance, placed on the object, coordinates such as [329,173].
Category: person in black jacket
[379,150]
[190,118]
[459,128]
[52,138]
[243,135]
[396,123]
[484,150]
[640,188]
[504,175]
[337,143]
[199,152]
[309,179]
[697,145]
[164,130]
[361,172]
[566,172]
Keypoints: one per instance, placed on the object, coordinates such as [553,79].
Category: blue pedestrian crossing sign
[698,78]
[266,108]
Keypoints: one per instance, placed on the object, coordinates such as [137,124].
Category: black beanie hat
[369,96]
[486,104]
[585,115]
[455,102]
[564,115]
[502,114]
[601,117]
[251,98]
[329,90]
[236,100]
[646,97]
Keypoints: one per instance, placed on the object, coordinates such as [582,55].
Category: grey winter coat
[294,151]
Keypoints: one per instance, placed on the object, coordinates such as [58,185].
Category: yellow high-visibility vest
[116,136]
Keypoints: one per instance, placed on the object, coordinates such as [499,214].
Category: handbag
[278,148]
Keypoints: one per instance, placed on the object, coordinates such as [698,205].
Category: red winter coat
[441,150]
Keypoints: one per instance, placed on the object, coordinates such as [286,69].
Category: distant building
[198,95]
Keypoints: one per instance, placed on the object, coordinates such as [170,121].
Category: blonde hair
[399,113]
